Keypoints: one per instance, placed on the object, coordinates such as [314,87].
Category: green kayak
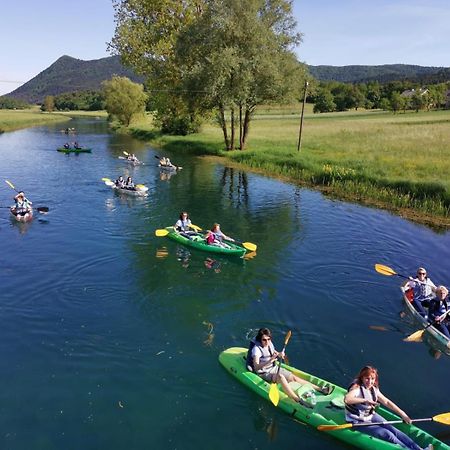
[327,410]
[74,150]
[198,241]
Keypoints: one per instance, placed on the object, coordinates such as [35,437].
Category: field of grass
[394,161]
[16,119]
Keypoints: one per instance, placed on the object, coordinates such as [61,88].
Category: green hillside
[382,74]
[69,74]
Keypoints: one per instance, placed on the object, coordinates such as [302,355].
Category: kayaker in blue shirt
[423,291]
[264,357]
[363,397]
[438,311]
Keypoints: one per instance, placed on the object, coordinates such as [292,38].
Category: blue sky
[34,34]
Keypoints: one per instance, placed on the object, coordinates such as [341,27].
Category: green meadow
[398,161]
[16,119]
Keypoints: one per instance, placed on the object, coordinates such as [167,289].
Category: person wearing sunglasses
[263,357]
[423,291]
[439,311]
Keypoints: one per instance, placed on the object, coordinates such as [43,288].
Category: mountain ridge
[68,74]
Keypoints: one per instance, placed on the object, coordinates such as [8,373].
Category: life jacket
[210,239]
[249,359]
[422,291]
[185,224]
[360,411]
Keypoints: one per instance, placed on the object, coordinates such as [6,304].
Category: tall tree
[203,55]
[124,99]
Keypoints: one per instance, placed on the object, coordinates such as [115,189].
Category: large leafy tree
[204,55]
[124,99]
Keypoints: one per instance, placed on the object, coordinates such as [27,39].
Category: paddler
[22,204]
[262,357]
[423,291]
[184,225]
[363,397]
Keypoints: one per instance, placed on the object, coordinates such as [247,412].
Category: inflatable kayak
[22,216]
[169,168]
[436,339]
[131,161]
[198,241]
[323,409]
[137,191]
[74,150]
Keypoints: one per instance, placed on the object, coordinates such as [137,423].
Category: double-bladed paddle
[274,394]
[385,270]
[441,418]
[417,335]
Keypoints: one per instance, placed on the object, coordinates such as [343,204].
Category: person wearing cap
[423,291]
[22,204]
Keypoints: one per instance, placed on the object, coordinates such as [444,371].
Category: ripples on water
[110,335]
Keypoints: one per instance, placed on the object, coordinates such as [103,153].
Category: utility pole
[301,118]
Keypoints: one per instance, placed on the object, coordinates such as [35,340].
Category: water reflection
[166,175]
[235,184]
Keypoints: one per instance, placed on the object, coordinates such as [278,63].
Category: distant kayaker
[22,204]
[363,397]
[66,145]
[423,291]
[439,307]
[263,356]
[76,145]
[120,182]
[215,236]
[129,183]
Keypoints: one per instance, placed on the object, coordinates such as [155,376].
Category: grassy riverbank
[16,119]
[398,162]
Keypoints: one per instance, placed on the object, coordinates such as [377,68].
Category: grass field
[16,119]
[394,161]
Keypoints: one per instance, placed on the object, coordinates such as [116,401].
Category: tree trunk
[247,117]
[223,124]
[232,126]
[240,127]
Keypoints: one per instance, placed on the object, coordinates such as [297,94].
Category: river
[110,335]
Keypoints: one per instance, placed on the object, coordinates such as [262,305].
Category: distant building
[410,92]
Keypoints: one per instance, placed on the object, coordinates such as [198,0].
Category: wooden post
[301,119]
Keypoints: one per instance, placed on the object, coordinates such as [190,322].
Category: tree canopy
[124,99]
[201,56]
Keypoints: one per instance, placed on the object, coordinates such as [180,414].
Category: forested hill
[69,74]
[383,73]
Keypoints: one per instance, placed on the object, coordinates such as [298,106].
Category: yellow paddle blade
[249,246]
[10,184]
[106,179]
[442,418]
[161,232]
[140,186]
[334,427]
[288,336]
[195,227]
[384,270]
[126,153]
[415,337]
[274,394]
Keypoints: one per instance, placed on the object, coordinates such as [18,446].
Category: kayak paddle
[274,393]
[248,245]
[441,418]
[385,270]
[417,335]
[11,185]
[161,232]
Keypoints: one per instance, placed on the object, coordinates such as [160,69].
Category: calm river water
[110,335]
